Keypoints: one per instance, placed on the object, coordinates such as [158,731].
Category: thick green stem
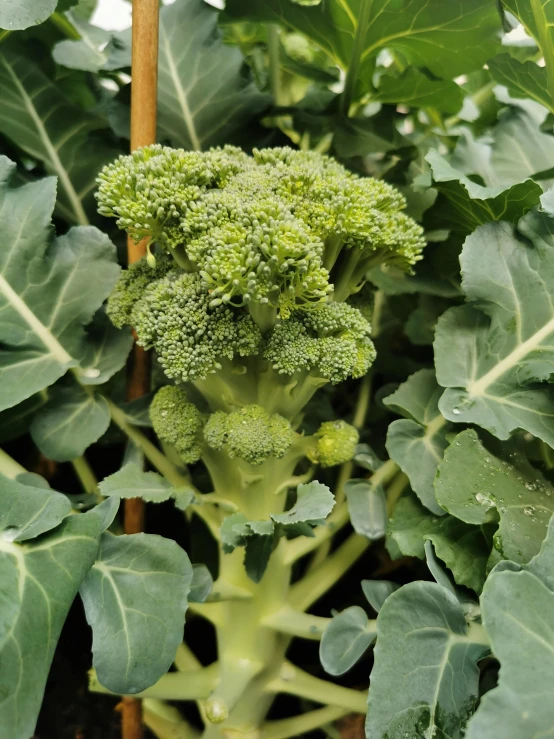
[362,16]
[165,722]
[294,681]
[179,686]
[297,623]
[86,476]
[321,579]
[545,42]
[299,725]
[9,467]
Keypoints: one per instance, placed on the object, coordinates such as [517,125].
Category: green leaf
[446,38]
[421,323]
[415,89]
[107,350]
[40,579]
[48,291]
[517,608]
[132,482]
[201,584]
[205,97]
[69,422]
[377,591]
[16,421]
[17,15]
[464,204]
[38,117]
[523,79]
[314,502]
[367,508]
[471,483]
[425,648]
[345,640]
[86,53]
[537,16]
[464,548]
[27,512]
[493,353]
[137,588]
[418,443]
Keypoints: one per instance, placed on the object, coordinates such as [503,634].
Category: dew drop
[529,510]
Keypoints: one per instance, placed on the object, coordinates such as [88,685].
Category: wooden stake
[144,87]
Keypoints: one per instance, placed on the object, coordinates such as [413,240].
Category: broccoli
[174,317]
[333,342]
[251,434]
[130,287]
[335,443]
[178,422]
[277,232]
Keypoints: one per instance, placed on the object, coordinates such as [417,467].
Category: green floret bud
[178,422]
[251,434]
[131,285]
[332,342]
[335,443]
[176,317]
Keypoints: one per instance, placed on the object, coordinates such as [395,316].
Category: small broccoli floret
[178,422]
[130,287]
[251,434]
[174,317]
[335,443]
[332,342]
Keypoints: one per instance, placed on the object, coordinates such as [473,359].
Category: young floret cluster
[332,342]
[283,228]
[177,421]
[251,434]
[172,315]
[335,443]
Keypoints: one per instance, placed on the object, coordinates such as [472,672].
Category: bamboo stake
[144,74]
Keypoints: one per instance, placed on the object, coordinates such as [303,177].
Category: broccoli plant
[283,466]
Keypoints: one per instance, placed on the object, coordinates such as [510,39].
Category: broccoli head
[335,443]
[173,315]
[252,434]
[283,228]
[332,342]
[131,285]
[178,422]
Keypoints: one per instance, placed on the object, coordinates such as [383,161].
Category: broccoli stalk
[246,301]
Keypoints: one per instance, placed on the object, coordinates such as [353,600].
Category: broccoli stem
[180,255]
[264,315]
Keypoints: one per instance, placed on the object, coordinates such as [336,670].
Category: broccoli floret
[178,422]
[251,434]
[333,342]
[335,443]
[174,317]
[131,285]
[281,228]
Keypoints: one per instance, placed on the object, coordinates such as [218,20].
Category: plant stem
[322,578]
[9,467]
[86,476]
[351,80]
[299,725]
[545,42]
[274,62]
[165,721]
[303,545]
[295,681]
[179,686]
[297,623]
[65,26]
[395,490]
[4,35]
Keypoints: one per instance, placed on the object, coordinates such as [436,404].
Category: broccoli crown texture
[178,422]
[172,315]
[266,229]
[335,443]
[332,342]
[250,433]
